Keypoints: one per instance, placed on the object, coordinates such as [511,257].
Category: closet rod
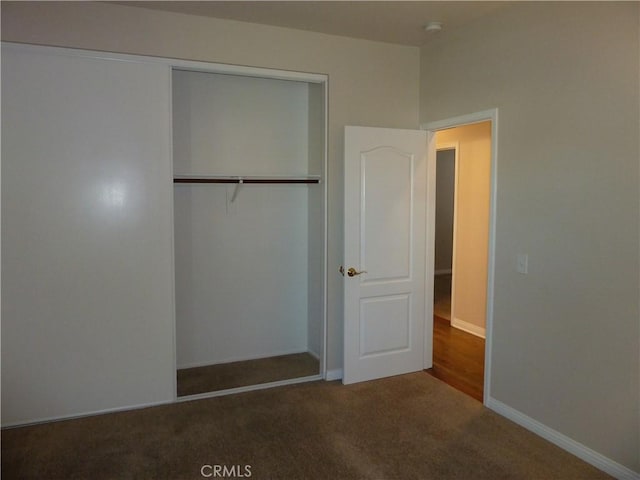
[245,180]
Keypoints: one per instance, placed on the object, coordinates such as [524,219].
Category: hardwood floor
[458,358]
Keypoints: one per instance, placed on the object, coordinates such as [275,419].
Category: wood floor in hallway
[458,358]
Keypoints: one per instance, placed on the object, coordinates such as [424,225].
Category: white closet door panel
[87,308]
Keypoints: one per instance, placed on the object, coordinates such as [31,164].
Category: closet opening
[249,230]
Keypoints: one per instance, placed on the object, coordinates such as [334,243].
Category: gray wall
[445,188]
[565,77]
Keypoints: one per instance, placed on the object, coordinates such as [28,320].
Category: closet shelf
[245,179]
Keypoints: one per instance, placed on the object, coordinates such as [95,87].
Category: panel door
[384,270]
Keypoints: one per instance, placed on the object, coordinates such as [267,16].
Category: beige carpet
[212,378]
[406,427]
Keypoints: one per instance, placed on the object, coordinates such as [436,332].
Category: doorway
[463,186]
[371,343]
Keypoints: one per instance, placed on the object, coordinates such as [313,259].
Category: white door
[384,270]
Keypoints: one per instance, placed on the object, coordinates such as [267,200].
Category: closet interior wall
[249,259]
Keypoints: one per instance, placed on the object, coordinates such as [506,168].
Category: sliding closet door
[87,301]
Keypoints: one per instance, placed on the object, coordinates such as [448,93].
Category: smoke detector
[433,27]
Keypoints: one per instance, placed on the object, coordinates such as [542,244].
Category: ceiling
[385,21]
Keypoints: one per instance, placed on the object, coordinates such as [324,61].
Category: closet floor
[211,378]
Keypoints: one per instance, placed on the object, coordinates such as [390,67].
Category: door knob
[352,272]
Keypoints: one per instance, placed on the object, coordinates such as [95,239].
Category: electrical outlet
[522,263]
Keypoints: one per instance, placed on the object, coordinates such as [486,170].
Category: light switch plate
[522,263]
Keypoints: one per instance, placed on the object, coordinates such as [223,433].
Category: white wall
[370,83]
[565,78]
[241,267]
[241,274]
[87,300]
[235,125]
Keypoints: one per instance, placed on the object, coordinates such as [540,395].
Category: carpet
[212,378]
[406,427]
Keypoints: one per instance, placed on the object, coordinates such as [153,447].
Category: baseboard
[584,453]
[333,375]
[38,421]
[444,271]
[249,388]
[468,327]
[314,354]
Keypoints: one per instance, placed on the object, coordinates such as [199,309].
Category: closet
[249,229]
[156,217]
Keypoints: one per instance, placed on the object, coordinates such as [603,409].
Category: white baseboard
[468,327]
[314,354]
[584,453]
[93,413]
[250,388]
[333,375]
[444,271]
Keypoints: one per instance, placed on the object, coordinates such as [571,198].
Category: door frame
[431,128]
